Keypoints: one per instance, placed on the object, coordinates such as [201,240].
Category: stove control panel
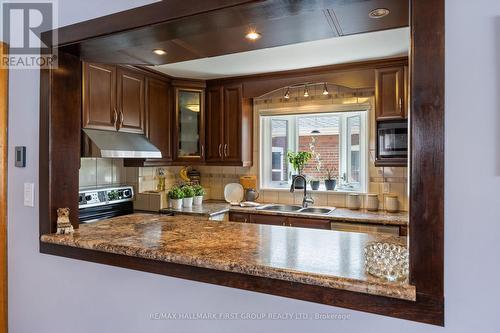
[105,196]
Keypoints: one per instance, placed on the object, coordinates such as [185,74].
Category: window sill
[278,189]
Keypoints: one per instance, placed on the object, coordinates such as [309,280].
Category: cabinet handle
[115,117]
[202,151]
[400,104]
[121,118]
[220,149]
[225,150]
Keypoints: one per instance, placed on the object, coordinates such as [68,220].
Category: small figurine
[63,224]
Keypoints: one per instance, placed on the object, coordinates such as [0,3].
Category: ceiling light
[160,51]
[306,92]
[287,93]
[253,35]
[379,13]
[325,89]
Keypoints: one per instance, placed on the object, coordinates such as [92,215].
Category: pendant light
[287,93]
[306,91]
[325,89]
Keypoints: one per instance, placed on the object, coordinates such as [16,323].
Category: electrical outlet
[29,194]
[386,188]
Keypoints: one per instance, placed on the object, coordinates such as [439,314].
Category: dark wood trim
[4,104]
[60,135]
[427,147]
[59,161]
[424,310]
[156,13]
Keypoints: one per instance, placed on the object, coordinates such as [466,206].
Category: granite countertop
[213,208]
[331,259]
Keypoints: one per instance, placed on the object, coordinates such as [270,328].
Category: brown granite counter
[331,259]
[213,208]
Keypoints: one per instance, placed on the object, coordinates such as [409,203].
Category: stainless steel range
[101,203]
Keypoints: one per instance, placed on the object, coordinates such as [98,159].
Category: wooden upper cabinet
[390,96]
[214,124]
[160,117]
[99,97]
[232,123]
[131,114]
[229,126]
[189,136]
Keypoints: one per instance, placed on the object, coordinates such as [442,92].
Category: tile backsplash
[101,172]
[214,179]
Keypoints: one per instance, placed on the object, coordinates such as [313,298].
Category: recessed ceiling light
[379,13]
[159,51]
[253,35]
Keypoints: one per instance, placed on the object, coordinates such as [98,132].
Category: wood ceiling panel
[214,33]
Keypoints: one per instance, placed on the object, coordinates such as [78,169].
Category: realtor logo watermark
[23,23]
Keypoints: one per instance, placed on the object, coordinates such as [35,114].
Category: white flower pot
[175,203]
[187,202]
[198,200]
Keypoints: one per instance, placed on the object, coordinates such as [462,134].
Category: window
[337,141]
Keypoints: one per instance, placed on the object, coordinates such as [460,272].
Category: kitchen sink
[297,209]
[314,210]
[281,208]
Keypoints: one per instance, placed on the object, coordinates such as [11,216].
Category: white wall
[52,294]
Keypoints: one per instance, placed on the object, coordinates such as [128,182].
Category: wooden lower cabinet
[239,217]
[309,223]
[268,219]
[280,220]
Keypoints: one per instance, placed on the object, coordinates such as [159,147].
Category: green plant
[175,193]
[330,172]
[198,190]
[298,160]
[188,191]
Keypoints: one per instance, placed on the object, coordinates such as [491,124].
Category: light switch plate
[386,187]
[29,194]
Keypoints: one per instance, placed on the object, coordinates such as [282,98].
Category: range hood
[109,144]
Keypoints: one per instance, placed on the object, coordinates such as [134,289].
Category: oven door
[393,140]
[94,214]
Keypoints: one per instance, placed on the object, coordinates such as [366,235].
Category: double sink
[296,209]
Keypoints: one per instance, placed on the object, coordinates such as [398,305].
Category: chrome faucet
[307,199]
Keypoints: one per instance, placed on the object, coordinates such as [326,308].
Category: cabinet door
[190,127]
[160,115]
[214,125]
[389,93]
[99,97]
[131,101]
[232,123]
[239,217]
[309,223]
[268,219]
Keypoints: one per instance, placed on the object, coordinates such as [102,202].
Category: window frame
[265,143]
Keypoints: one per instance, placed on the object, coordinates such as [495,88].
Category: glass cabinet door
[189,123]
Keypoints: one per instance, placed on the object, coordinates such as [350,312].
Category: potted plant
[330,181]
[298,160]
[187,201]
[199,192]
[175,196]
[314,184]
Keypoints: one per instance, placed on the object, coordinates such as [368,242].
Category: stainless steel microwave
[392,140]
